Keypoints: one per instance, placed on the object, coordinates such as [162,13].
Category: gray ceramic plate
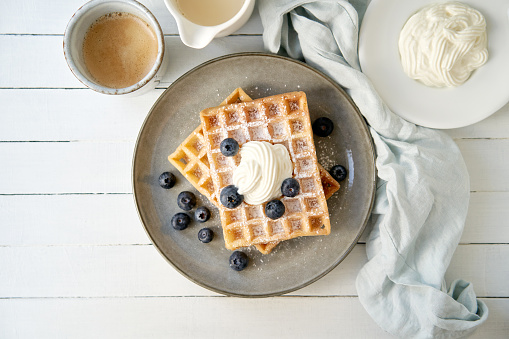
[295,263]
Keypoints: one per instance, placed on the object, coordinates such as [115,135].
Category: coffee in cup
[115,47]
[119,49]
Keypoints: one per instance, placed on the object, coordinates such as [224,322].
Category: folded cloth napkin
[422,190]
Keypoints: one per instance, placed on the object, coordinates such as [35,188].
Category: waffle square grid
[281,119]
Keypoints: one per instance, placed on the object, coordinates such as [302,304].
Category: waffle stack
[281,119]
[190,159]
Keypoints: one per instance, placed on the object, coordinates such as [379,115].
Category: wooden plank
[110,219]
[187,318]
[485,266]
[495,126]
[52,17]
[34,61]
[38,61]
[105,167]
[122,271]
[92,271]
[95,219]
[207,318]
[487,219]
[487,162]
[65,167]
[139,271]
[77,114]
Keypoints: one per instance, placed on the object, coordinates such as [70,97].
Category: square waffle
[330,186]
[190,158]
[280,119]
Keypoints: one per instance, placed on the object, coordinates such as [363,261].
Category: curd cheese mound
[442,44]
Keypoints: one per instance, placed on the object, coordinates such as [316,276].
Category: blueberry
[323,127]
[274,209]
[186,200]
[290,187]
[180,221]
[167,180]
[338,172]
[205,235]
[202,214]
[238,260]
[229,147]
[230,197]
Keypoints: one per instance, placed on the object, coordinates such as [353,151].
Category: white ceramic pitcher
[197,36]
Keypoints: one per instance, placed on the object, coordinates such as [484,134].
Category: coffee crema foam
[119,49]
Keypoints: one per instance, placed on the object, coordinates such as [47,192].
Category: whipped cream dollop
[261,171]
[442,44]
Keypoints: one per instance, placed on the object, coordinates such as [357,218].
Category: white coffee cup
[75,35]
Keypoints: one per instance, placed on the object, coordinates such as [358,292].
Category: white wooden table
[75,261]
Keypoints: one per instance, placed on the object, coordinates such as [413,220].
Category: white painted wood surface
[75,261]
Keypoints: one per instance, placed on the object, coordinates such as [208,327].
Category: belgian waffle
[280,119]
[330,186]
[190,158]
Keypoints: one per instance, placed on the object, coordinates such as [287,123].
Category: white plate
[483,94]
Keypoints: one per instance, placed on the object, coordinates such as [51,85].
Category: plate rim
[372,154]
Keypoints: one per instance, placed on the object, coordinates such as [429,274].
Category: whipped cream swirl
[442,44]
[261,171]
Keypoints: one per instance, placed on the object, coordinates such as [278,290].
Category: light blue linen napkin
[423,185]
